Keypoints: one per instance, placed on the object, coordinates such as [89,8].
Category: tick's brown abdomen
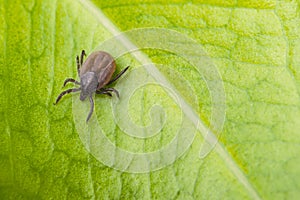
[102,64]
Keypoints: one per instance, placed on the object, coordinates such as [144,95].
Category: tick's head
[89,84]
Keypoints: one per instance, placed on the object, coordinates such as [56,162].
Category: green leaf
[49,151]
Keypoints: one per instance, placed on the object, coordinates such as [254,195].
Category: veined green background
[254,44]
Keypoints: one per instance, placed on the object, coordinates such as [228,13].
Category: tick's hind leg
[107,91]
[104,92]
[78,66]
[80,62]
[66,92]
[81,57]
[118,76]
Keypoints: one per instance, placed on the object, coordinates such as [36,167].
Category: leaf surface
[254,45]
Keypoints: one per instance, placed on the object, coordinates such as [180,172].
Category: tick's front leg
[66,92]
[71,80]
[91,109]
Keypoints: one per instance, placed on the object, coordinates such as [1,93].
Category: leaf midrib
[154,72]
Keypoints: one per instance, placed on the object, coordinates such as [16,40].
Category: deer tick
[95,73]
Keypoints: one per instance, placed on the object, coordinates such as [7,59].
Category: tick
[95,73]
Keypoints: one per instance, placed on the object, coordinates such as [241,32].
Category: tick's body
[94,73]
[103,66]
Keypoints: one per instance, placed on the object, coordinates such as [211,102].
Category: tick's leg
[110,90]
[71,80]
[91,109]
[81,57]
[80,62]
[66,92]
[103,92]
[78,65]
[118,76]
